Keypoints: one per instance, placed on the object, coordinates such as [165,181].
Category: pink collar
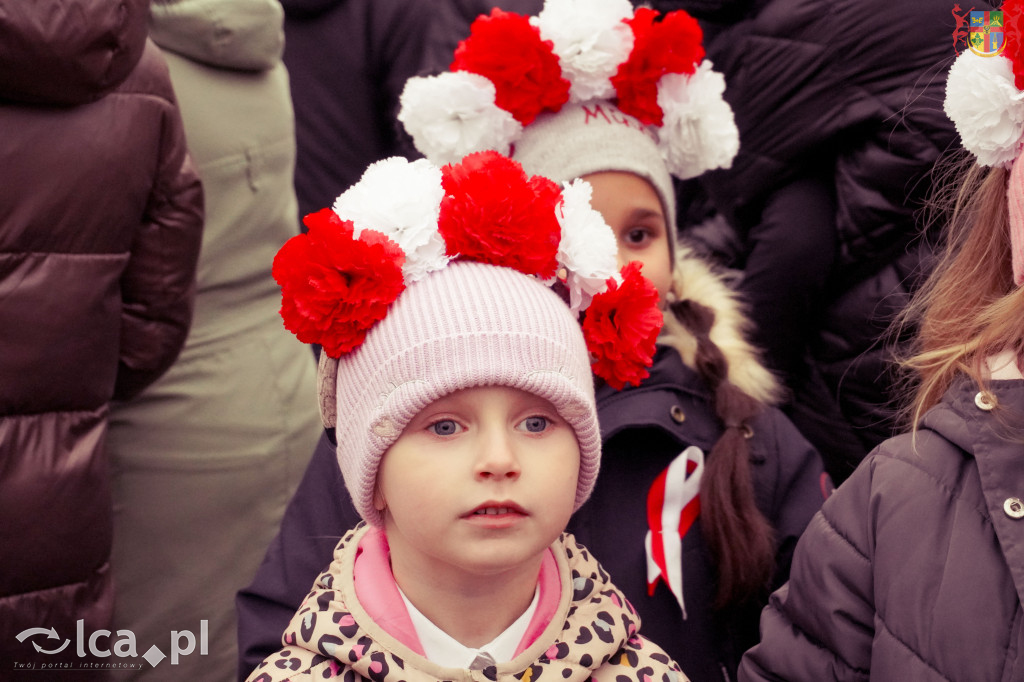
[378,593]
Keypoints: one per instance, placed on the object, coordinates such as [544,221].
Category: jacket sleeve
[639,659]
[820,625]
[802,486]
[158,284]
[316,518]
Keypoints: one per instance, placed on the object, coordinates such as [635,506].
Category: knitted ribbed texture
[1015,201]
[467,325]
[592,137]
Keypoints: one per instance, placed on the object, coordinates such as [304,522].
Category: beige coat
[207,458]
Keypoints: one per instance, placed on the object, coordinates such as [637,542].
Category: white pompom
[402,200]
[453,114]
[590,41]
[699,131]
[588,247]
[986,107]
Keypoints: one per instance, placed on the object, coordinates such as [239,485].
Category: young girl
[705,488]
[913,569]
[458,381]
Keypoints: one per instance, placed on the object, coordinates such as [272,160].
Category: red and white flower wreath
[339,279]
[512,68]
[985,95]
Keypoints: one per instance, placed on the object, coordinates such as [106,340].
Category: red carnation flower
[621,327]
[493,213]
[1013,22]
[335,287]
[506,49]
[672,45]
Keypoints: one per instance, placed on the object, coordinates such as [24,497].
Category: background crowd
[156,419]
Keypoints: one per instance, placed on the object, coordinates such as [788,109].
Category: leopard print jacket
[593,636]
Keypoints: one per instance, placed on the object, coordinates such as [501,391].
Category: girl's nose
[497,458]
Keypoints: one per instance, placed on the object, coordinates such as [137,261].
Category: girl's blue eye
[445,427]
[535,424]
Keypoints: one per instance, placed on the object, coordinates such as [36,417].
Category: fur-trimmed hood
[694,279]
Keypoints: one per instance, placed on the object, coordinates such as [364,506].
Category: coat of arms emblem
[985,33]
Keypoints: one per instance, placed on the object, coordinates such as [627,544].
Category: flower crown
[512,67]
[404,220]
[985,95]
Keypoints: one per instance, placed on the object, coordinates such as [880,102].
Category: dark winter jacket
[100,226]
[644,429]
[854,87]
[348,61]
[914,569]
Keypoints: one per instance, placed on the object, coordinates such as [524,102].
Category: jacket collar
[593,622]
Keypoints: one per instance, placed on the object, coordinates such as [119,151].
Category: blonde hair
[969,308]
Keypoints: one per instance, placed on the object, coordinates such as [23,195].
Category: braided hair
[741,539]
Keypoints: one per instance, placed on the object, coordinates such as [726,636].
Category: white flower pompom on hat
[986,107]
[590,39]
[699,131]
[604,54]
[453,114]
[402,200]
[588,247]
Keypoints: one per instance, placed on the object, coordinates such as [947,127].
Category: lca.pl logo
[101,644]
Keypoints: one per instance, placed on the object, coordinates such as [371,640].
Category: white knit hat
[425,281]
[594,137]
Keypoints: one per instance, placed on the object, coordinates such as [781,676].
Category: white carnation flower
[590,40]
[986,107]
[453,114]
[402,200]
[588,247]
[699,131]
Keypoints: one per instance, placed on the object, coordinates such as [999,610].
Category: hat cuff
[418,379]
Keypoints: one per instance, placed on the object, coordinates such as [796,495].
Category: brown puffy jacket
[100,226]
[913,570]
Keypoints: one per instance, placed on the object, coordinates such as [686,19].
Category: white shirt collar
[444,650]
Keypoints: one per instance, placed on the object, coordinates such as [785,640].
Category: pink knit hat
[470,324]
[424,281]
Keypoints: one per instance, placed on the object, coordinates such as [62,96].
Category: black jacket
[348,61]
[852,89]
[643,429]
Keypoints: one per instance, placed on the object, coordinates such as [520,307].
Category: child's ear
[379,503]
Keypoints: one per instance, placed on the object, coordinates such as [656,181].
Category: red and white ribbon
[673,504]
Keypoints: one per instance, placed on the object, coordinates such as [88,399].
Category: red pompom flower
[506,49]
[334,287]
[672,45]
[621,327]
[493,213]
